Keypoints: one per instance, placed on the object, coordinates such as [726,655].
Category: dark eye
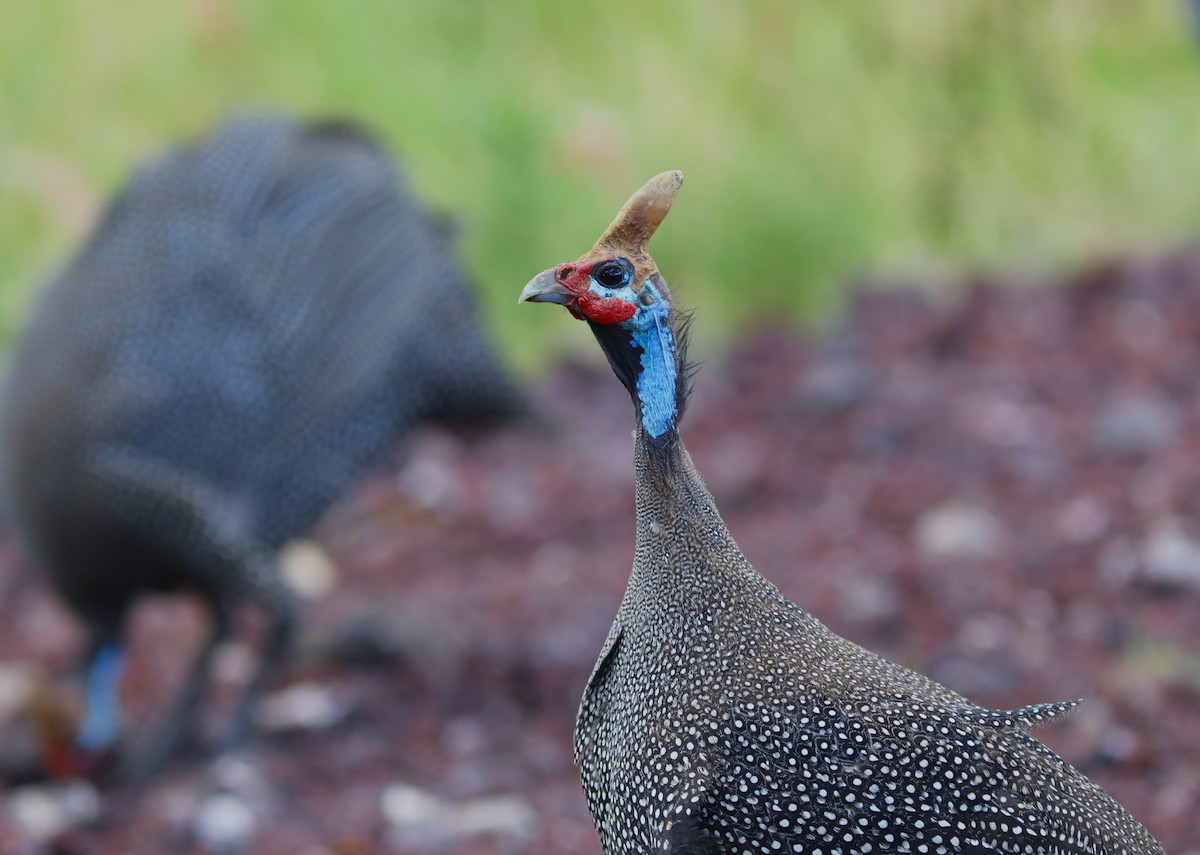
[612,274]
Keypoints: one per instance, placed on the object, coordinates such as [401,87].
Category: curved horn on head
[636,222]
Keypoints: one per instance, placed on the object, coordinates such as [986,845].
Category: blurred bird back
[265,310]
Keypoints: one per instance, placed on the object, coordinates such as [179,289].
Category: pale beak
[545,288]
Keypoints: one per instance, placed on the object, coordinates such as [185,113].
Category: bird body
[257,319]
[722,718]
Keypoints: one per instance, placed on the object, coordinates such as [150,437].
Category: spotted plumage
[259,317]
[721,718]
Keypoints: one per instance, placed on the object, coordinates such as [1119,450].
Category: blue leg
[98,732]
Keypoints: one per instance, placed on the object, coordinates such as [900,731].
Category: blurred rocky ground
[999,487]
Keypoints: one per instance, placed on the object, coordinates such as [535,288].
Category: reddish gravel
[1001,489]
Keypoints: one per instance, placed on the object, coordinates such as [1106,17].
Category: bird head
[617,277]
[617,288]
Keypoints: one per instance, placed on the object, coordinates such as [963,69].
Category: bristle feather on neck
[685,371]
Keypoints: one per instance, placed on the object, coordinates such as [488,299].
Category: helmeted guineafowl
[722,718]
[257,319]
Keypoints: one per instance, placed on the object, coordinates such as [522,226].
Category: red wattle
[606,310]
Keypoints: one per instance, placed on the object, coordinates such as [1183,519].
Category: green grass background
[822,141]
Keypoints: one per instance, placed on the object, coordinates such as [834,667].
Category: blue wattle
[656,380]
[99,728]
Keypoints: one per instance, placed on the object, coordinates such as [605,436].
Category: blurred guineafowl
[258,318]
[720,717]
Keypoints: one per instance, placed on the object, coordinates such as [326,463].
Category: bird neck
[647,359]
[658,380]
[676,511]
[661,460]
[688,573]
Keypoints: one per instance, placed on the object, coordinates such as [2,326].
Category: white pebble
[44,810]
[224,823]
[308,568]
[958,529]
[305,706]
[420,819]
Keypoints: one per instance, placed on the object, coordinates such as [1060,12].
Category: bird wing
[594,703]
[901,773]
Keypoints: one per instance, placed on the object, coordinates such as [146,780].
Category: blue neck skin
[652,380]
[656,381]
[99,728]
[650,329]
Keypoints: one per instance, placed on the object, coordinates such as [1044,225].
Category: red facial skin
[588,306]
[65,761]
